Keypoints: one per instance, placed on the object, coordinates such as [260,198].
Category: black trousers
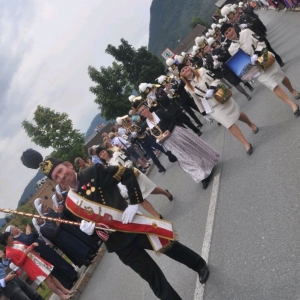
[184,119]
[18,289]
[141,262]
[151,143]
[191,113]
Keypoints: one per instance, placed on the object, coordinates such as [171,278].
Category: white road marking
[199,291]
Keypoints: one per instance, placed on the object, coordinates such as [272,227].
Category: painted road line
[199,291]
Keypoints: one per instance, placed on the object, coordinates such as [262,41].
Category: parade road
[252,229]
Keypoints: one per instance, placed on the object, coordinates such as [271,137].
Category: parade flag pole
[15,212]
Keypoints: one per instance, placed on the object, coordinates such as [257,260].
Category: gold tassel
[119,173]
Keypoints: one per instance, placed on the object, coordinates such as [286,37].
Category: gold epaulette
[119,173]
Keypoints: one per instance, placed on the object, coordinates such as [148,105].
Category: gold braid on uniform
[119,173]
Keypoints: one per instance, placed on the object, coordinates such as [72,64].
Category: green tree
[198,20]
[53,129]
[140,65]
[112,90]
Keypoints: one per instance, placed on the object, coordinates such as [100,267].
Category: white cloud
[45,49]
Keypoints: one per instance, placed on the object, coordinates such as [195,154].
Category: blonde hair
[112,135]
[187,82]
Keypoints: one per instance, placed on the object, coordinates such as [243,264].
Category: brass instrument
[151,102]
[156,132]
[130,127]
[136,98]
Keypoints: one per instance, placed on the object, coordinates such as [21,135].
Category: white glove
[254,59]
[134,134]
[208,119]
[129,213]
[87,227]
[215,57]
[243,26]
[216,64]
[209,93]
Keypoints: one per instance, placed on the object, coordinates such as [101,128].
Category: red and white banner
[160,232]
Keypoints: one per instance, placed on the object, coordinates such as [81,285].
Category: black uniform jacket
[103,189]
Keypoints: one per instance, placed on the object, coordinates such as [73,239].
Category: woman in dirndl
[37,268]
[202,85]
[194,156]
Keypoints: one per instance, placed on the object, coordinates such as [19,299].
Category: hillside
[29,189]
[170,19]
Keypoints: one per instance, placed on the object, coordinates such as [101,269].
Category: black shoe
[251,88]
[170,197]
[203,275]
[199,133]
[205,183]
[199,125]
[297,112]
[172,158]
[162,170]
[147,166]
[250,150]
[249,97]
[160,216]
[219,124]
[87,263]
[298,96]
[282,64]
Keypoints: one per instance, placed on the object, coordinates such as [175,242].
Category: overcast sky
[45,49]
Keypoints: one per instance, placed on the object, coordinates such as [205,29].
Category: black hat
[137,104]
[180,67]
[99,149]
[224,27]
[3,238]
[34,160]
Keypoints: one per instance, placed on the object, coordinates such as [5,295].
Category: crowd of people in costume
[106,192]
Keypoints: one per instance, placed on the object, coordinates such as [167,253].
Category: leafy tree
[53,129]
[198,20]
[140,65]
[112,90]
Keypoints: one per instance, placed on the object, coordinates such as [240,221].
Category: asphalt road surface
[253,252]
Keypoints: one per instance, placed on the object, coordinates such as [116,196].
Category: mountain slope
[170,19]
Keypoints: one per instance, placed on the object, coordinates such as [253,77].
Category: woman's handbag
[222,94]
[265,60]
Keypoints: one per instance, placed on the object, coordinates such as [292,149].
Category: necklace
[155,131]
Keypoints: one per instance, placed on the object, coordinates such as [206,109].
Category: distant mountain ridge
[170,20]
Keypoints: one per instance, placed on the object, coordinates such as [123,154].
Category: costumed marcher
[252,22]
[215,62]
[13,287]
[62,270]
[254,46]
[97,186]
[176,91]
[148,143]
[159,97]
[202,85]
[37,269]
[147,186]
[194,156]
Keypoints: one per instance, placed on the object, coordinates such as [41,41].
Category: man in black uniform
[98,184]
[164,102]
